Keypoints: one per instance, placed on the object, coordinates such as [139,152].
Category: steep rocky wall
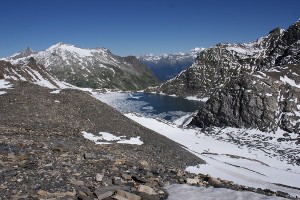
[252,101]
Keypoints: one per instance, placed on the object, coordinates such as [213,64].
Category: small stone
[42,193]
[282,194]
[145,163]
[105,195]
[123,195]
[89,156]
[192,181]
[84,191]
[75,182]
[139,179]
[99,177]
[120,162]
[117,181]
[3,187]
[126,177]
[108,157]
[146,189]
[214,182]
[112,188]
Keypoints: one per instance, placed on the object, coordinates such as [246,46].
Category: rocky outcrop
[95,68]
[252,101]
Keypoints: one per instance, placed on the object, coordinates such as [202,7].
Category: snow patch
[183,191]
[289,81]
[107,138]
[5,84]
[55,92]
[2,92]
[193,98]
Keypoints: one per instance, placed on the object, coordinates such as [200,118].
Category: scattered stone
[192,181]
[138,179]
[126,177]
[214,182]
[105,195]
[99,177]
[42,193]
[123,195]
[146,189]
[101,190]
[282,194]
[89,156]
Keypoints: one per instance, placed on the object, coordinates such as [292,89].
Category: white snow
[289,81]
[2,92]
[107,138]
[269,94]
[204,99]
[55,92]
[257,166]
[183,191]
[5,84]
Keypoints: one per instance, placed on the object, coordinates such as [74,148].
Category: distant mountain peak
[26,52]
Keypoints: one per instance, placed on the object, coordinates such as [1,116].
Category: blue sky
[139,27]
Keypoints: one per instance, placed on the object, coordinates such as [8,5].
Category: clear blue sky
[138,26]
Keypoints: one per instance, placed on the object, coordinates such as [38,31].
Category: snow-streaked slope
[96,68]
[30,71]
[257,165]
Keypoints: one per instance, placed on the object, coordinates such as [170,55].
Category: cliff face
[252,101]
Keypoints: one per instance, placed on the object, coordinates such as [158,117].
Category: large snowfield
[249,166]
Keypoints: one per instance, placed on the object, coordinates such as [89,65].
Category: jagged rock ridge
[95,68]
[167,66]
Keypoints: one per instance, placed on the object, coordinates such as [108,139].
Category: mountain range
[95,68]
[167,66]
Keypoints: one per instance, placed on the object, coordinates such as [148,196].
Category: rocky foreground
[45,156]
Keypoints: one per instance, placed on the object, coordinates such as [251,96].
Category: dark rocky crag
[216,66]
[249,101]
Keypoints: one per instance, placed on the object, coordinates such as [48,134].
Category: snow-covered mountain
[166,66]
[96,68]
